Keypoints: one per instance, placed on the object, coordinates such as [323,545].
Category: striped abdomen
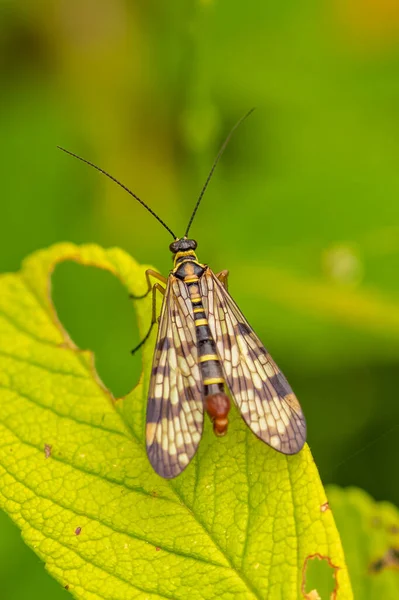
[217,403]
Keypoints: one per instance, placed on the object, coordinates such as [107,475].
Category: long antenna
[122,186]
[222,149]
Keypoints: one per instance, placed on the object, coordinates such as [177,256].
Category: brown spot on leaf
[157,548]
[47,450]
[78,530]
[325,506]
[313,594]
[390,560]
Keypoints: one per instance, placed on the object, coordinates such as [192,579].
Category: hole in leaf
[319,578]
[94,308]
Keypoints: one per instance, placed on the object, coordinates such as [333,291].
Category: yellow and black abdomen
[217,403]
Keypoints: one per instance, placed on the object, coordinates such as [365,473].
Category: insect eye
[174,247]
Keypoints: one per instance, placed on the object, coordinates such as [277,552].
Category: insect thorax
[187,269]
[187,265]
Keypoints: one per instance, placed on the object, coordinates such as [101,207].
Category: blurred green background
[303,208]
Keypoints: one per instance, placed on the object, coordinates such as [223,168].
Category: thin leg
[149,273]
[223,277]
[155,287]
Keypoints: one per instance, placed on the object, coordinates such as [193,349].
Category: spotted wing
[260,390]
[175,407]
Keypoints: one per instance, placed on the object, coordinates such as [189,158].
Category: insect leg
[155,287]
[223,277]
[149,273]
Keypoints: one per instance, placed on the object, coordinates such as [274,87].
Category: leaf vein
[39,366]
[25,332]
[110,526]
[295,523]
[81,469]
[245,545]
[102,568]
[64,416]
[241,575]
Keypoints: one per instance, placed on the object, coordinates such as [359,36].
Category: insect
[205,345]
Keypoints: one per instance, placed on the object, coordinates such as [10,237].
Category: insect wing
[258,387]
[175,407]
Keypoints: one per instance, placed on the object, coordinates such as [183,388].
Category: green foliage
[302,209]
[243,521]
[17,558]
[370,537]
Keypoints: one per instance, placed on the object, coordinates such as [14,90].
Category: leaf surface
[239,523]
[370,536]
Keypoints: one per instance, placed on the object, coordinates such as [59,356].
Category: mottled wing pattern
[175,407]
[258,387]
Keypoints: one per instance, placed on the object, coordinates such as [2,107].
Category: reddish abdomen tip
[217,406]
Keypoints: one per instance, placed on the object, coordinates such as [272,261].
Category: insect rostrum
[204,345]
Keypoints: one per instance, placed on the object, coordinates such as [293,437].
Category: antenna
[222,149]
[122,186]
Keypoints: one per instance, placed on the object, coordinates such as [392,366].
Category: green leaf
[242,521]
[370,536]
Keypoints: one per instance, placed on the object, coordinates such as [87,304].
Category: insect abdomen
[217,403]
[217,406]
